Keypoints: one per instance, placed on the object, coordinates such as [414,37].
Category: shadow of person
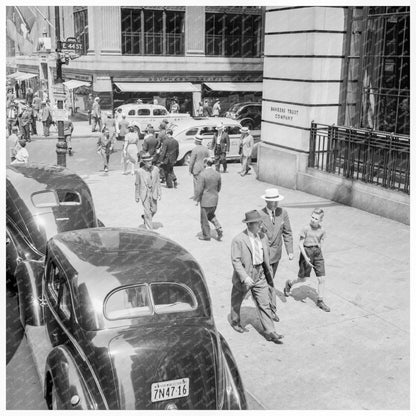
[213,234]
[280,295]
[304,292]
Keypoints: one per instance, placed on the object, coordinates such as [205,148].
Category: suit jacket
[224,145]
[277,232]
[207,187]
[198,154]
[96,110]
[242,260]
[170,150]
[147,186]
[150,144]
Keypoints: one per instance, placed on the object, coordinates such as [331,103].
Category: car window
[172,297]
[192,132]
[132,112]
[67,197]
[44,199]
[143,112]
[128,302]
[234,130]
[207,131]
[159,112]
[65,301]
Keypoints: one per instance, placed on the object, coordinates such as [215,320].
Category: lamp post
[59,94]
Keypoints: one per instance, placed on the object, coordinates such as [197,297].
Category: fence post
[312,144]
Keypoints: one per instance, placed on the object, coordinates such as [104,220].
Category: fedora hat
[244,130]
[146,157]
[272,194]
[252,216]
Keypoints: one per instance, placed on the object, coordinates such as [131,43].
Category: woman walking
[130,150]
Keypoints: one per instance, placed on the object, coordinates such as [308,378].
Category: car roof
[139,106]
[32,177]
[246,103]
[204,121]
[109,257]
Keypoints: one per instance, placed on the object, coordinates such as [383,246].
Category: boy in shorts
[311,238]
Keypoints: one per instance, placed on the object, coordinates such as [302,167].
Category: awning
[22,76]
[156,87]
[235,86]
[74,83]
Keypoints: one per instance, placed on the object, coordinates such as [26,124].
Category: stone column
[92,29]
[110,34]
[195,30]
[303,58]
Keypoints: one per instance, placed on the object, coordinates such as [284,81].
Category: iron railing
[366,155]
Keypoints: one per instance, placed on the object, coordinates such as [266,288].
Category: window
[81,27]
[132,113]
[234,130]
[192,132]
[44,199]
[377,83]
[145,31]
[208,131]
[67,197]
[159,112]
[128,302]
[233,34]
[172,297]
[143,112]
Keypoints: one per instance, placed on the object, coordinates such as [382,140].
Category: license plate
[172,389]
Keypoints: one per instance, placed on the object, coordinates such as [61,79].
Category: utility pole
[59,94]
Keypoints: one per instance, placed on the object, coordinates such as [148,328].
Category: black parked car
[248,114]
[41,201]
[130,323]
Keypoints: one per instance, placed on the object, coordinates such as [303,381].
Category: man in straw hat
[96,115]
[148,189]
[196,161]
[276,226]
[246,148]
[206,194]
[252,271]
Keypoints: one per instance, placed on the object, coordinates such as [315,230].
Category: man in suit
[168,157]
[221,145]
[150,143]
[96,114]
[206,194]
[276,226]
[196,162]
[147,189]
[252,271]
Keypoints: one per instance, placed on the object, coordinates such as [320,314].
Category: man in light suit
[147,189]
[96,115]
[206,194]
[196,162]
[252,271]
[276,226]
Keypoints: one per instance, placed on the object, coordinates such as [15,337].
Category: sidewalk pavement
[355,357]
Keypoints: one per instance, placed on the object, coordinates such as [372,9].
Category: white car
[144,114]
[185,131]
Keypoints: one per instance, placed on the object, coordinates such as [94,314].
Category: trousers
[207,216]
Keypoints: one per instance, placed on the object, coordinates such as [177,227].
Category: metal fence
[365,155]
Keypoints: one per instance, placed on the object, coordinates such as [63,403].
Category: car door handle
[62,219]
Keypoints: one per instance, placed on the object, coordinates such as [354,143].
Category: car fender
[232,366]
[72,388]
[29,285]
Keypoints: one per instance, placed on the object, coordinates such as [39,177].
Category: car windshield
[142,300]
[235,107]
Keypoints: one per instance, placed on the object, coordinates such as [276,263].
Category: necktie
[273,217]
[258,257]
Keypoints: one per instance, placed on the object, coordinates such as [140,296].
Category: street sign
[60,114]
[71,46]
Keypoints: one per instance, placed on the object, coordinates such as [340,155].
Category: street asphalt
[355,357]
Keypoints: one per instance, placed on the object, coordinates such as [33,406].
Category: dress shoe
[204,238]
[320,304]
[287,288]
[238,328]
[275,317]
[219,233]
[274,337]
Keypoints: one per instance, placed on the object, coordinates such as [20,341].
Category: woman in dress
[130,150]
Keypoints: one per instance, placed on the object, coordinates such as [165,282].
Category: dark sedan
[248,114]
[129,318]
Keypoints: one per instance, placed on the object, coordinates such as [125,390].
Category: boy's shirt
[312,236]
[22,156]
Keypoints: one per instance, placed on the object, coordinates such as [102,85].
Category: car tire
[247,123]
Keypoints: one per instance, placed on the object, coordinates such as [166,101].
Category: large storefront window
[233,34]
[378,76]
[81,27]
[152,32]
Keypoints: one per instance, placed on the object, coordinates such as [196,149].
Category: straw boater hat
[244,130]
[198,139]
[146,157]
[252,216]
[219,126]
[272,194]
